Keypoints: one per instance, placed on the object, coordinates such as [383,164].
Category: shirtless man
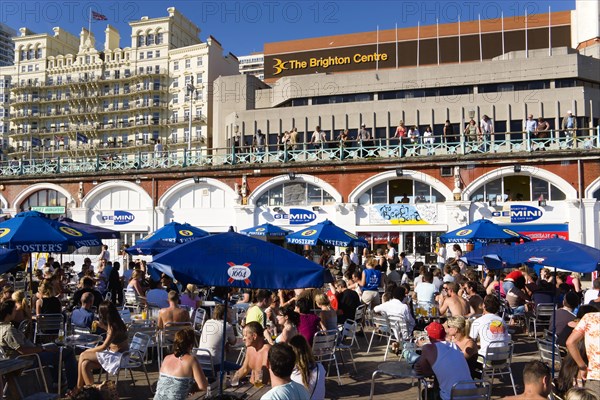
[474,299]
[173,313]
[450,300]
[537,379]
[257,352]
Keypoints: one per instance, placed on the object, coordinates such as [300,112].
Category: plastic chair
[497,361]
[324,349]
[47,326]
[346,340]
[471,390]
[541,316]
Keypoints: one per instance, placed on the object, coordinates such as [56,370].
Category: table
[11,368]
[82,340]
[246,391]
[396,369]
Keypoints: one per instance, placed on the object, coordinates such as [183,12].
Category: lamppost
[190,89]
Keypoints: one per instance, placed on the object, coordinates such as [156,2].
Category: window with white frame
[295,194]
[401,191]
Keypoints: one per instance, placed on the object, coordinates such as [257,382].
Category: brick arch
[37,187]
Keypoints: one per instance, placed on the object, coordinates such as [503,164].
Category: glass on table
[258,379]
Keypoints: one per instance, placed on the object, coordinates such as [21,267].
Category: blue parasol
[9,259]
[98,231]
[176,232]
[32,232]
[483,231]
[265,230]
[326,233]
[476,256]
[150,247]
[234,260]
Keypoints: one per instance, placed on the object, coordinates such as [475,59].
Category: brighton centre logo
[297,216]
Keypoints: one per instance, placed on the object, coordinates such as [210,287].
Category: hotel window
[141,55]
[199,61]
[141,41]
[150,39]
[159,38]
[157,53]
[149,54]
[176,66]
[38,53]
[188,63]
[199,77]
[175,82]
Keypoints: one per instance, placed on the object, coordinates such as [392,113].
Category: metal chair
[135,357]
[359,317]
[497,361]
[205,360]
[47,326]
[131,300]
[346,340]
[198,322]
[545,350]
[125,314]
[166,336]
[471,390]
[324,349]
[541,316]
[381,328]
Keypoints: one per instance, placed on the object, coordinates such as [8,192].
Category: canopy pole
[554,326]
[222,369]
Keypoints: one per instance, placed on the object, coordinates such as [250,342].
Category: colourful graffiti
[403,214]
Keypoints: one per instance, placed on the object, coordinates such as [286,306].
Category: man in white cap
[569,126]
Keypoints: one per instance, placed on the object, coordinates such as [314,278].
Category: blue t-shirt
[289,391]
[372,279]
[82,318]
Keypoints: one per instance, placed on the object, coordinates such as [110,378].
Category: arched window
[596,195]
[44,198]
[518,188]
[402,191]
[295,194]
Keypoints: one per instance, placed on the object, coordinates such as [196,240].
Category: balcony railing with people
[403,148]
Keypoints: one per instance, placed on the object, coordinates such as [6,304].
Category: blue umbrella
[234,260]
[326,233]
[9,259]
[265,230]
[32,232]
[98,231]
[557,253]
[483,231]
[176,232]
[476,256]
[150,247]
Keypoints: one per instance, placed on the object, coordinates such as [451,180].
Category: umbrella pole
[554,325]
[222,369]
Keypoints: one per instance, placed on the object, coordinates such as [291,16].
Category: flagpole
[90,24]
[418,37]
[503,52]
[526,48]
[480,46]
[437,34]
[459,51]
[549,30]
[396,45]
[377,51]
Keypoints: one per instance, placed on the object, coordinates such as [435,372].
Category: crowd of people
[456,312]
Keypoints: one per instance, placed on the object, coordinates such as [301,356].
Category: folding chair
[383,329]
[471,390]
[198,322]
[166,336]
[359,317]
[324,348]
[205,360]
[135,357]
[541,316]
[545,350]
[497,361]
[346,340]
[47,327]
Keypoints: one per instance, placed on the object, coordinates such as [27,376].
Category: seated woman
[47,302]
[190,298]
[309,323]
[23,312]
[135,284]
[307,371]
[288,319]
[180,369]
[457,331]
[328,315]
[107,355]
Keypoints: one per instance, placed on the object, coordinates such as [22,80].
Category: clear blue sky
[244,26]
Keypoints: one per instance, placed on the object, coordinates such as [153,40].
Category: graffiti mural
[403,214]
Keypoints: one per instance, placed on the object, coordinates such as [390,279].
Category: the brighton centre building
[349,128]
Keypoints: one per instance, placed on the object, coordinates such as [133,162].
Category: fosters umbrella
[326,233]
[176,232]
[235,260]
[483,231]
[98,231]
[265,230]
[9,259]
[32,232]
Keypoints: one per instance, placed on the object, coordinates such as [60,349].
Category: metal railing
[403,148]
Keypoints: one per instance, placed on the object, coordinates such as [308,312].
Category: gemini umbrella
[483,231]
[265,230]
[326,233]
[176,232]
[98,231]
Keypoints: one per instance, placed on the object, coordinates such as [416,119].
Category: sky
[242,27]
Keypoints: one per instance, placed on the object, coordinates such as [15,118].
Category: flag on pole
[459,50]
[82,138]
[59,138]
[99,17]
